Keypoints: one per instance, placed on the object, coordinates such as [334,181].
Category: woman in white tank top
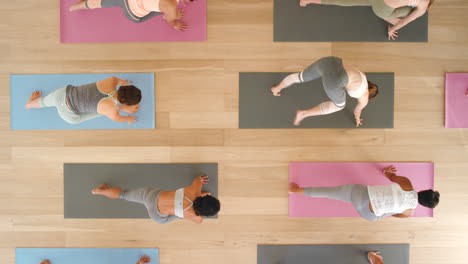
[374,202]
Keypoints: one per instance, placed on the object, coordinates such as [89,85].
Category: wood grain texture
[197,111]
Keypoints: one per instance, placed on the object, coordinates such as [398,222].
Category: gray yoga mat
[80,179]
[258,108]
[331,254]
[328,23]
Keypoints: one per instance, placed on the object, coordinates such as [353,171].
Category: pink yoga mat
[111,25]
[316,174]
[456,103]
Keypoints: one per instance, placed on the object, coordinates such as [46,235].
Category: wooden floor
[197,109]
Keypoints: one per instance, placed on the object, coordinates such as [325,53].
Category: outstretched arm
[417,12]
[404,182]
[198,182]
[362,103]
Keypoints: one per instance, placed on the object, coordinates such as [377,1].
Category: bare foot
[78,5]
[306,2]
[31,102]
[276,91]
[294,188]
[375,258]
[100,188]
[300,115]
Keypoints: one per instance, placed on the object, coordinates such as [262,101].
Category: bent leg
[360,200]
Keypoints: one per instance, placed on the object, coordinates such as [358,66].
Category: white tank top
[179,203]
[362,89]
[391,199]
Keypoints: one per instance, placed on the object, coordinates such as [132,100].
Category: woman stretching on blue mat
[399,13]
[143,260]
[338,78]
[139,11]
[76,104]
[375,202]
[166,206]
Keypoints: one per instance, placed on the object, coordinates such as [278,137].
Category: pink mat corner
[310,174]
[456,103]
[111,25]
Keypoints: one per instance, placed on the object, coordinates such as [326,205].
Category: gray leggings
[334,78]
[149,198]
[126,9]
[57,99]
[380,8]
[355,194]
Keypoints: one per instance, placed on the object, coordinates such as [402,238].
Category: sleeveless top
[391,199]
[362,88]
[85,98]
[142,8]
[179,203]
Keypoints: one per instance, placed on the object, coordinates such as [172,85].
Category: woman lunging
[399,13]
[338,78]
[375,202]
[76,104]
[166,206]
[139,11]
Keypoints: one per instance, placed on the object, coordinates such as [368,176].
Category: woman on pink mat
[375,202]
[398,13]
[143,260]
[139,11]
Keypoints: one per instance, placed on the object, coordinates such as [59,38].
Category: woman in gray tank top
[76,104]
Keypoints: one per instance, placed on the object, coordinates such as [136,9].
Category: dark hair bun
[129,95]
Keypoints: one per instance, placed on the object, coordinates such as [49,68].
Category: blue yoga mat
[85,255]
[21,87]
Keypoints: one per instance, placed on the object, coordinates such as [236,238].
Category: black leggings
[126,9]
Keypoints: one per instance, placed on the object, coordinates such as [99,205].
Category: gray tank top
[85,98]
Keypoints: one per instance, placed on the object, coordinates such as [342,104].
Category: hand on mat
[46,262]
[132,109]
[392,34]
[131,119]
[466,92]
[180,26]
[276,91]
[145,259]
[375,258]
[180,14]
[390,170]
[359,122]
[204,179]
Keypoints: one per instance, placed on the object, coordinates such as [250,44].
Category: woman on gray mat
[375,202]
[399,13]
[76,104]
[166,206]
[338,78]
[139,11]
[143,260]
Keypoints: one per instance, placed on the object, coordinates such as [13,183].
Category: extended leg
[341,193]
[336,2]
